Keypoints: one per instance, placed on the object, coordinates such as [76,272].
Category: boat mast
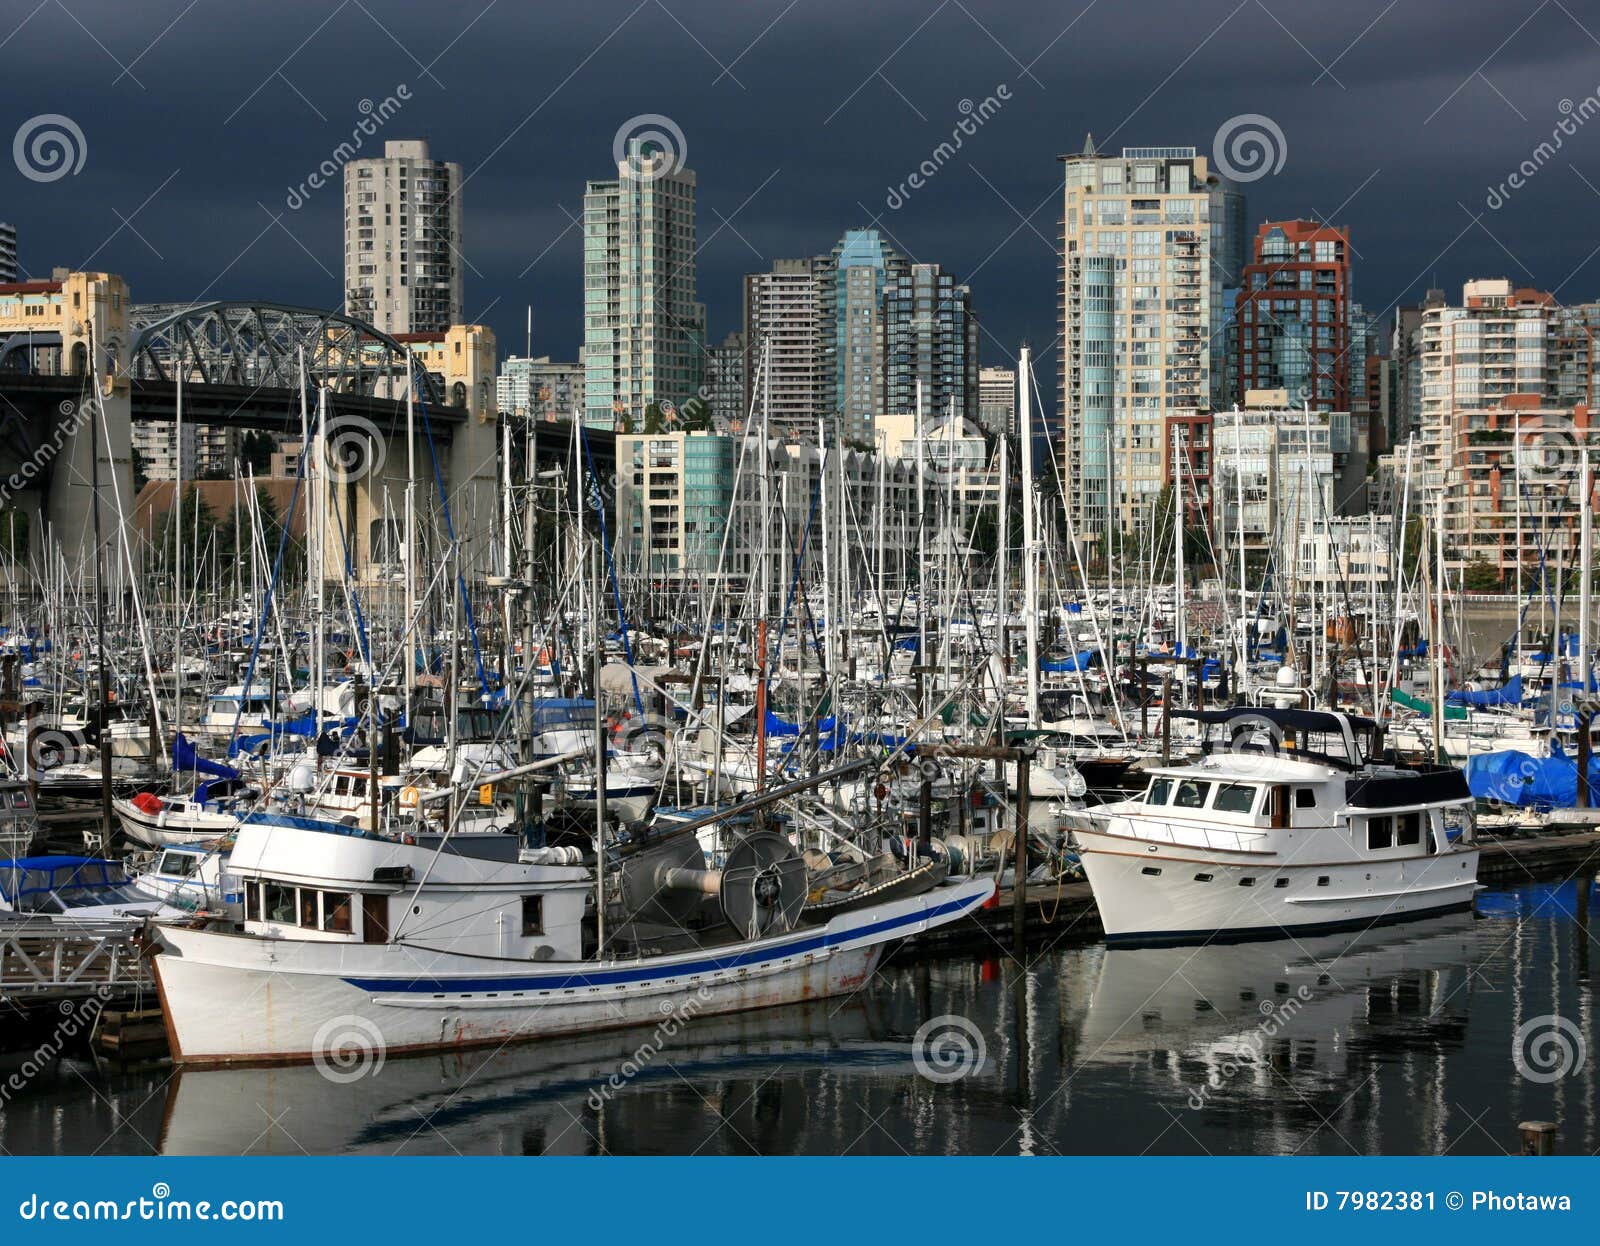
[1030,547]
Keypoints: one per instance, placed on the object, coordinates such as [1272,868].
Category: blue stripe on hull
[1253,934]
[608,977]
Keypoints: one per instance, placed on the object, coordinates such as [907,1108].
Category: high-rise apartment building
[997,400]
[1293,315]
[402,240]
[854,276]
[725,385]
[783,329]
[930,335]
[1473,357]
[540,389]
[643,331]
[1137,301]
[8,253]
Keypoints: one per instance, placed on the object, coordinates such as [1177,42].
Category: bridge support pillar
[95,340]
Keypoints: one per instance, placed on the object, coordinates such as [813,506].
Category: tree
[141,476]
[256,449]
[14,532]
[1480,576]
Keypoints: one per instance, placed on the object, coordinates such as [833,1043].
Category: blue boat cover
[1510,693]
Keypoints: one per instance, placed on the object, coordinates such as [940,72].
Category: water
[1402,1043]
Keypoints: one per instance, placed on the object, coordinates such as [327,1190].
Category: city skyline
[1416,136]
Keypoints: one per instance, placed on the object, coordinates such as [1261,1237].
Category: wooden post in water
[1166,720]
[924,818]
[1585,748]
[1538,1137]
[1019,887]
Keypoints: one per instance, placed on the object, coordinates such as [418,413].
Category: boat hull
[240,999]
[1178,905]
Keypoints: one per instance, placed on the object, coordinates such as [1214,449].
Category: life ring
[409,797]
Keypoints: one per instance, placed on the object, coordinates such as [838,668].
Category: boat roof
[1250,768]
[1292,719]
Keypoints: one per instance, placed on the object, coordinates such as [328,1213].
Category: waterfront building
[1137,301]
[930,335]
[540,389]
[643,331]
[402,240]
[783,325]
[854,276]
[1293,315]
[8,253]
[997,401]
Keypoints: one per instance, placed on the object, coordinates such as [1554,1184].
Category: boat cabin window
[1408,829]
[1305,798]
[1380,832]
[278,903]
[336,911]
[1192,794]
[1160,789]
[19,800]
[532,915]
[298,906]
[1235,797]
[182,864]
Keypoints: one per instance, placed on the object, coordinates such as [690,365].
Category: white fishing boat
[1297,829]
[418,948]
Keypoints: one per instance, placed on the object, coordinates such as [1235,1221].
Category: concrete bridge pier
[95,340]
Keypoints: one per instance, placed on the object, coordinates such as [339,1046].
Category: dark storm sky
[198,119]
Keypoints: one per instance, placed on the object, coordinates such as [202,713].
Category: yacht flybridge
[1289,824]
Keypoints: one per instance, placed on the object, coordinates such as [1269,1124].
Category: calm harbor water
[1405,1041]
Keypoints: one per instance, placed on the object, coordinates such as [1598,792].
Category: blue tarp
[1081,662]
[184,757]
[1508,694]
[1419,650]
[1529,782]
[782,727]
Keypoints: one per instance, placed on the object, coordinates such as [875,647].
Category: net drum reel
[761,888]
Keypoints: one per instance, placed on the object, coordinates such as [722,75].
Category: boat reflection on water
[611,1092]
[1287,1021]
[1396,1041]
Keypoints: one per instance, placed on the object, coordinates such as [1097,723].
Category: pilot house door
[374,919]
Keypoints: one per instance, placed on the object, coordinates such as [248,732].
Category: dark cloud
[1398,119]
